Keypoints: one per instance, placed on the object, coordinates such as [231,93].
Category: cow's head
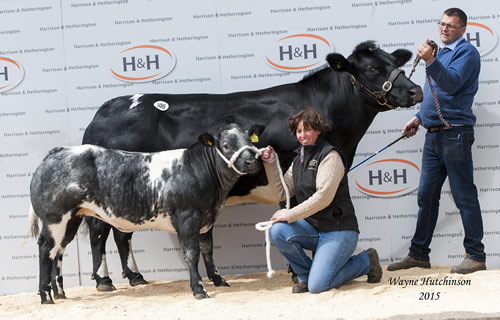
[236,147]
[377,74]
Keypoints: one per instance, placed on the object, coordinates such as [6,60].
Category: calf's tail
[34,229]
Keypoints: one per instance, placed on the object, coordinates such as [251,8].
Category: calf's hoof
[48,302]
[59,296]
[106,287]
[201,296]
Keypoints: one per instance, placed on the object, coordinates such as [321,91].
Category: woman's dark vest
[339,214]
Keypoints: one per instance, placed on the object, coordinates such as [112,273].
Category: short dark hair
[456,12]
[311,120]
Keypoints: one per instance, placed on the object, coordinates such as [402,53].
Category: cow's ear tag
[254,138]
[206,139]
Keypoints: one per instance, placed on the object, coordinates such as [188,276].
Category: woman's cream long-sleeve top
[330,173]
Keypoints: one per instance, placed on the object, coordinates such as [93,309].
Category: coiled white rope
[267,225]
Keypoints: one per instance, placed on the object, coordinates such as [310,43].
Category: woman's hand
[268,155]
[279,216]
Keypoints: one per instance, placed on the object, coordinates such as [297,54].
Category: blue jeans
[332,264]
[448,153]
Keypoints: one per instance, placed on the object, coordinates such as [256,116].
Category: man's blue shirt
[455,78]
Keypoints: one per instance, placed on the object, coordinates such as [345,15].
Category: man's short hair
[456,12]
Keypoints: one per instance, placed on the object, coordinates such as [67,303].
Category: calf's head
[235,146]
[375,71]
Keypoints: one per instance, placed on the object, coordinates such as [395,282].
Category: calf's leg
[45,245]
[187,225]
[207,252]
[57,277]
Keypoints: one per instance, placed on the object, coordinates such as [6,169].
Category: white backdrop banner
[60,60]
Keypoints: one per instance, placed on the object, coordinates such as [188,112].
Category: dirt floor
[408,294]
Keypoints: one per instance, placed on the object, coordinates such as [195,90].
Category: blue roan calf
[178,191]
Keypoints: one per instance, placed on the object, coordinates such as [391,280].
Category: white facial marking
[135,100]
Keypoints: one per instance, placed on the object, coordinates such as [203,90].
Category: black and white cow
[178,191]
[348,94]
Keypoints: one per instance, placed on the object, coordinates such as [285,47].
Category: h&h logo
[11,74]
[143,63]
[481,36]
[388,178]
[299,52]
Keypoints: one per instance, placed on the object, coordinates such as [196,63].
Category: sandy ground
[254,296]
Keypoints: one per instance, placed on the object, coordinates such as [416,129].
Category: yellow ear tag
[254,138]
[210,142]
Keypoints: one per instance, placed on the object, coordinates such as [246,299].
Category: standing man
[454,73]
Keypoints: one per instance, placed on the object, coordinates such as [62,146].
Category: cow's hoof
[220,282]
[59,296]
[138,282]
[48,302]
[201,296]
[106,287]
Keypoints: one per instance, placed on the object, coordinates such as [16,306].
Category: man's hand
[424,52]
[411,127]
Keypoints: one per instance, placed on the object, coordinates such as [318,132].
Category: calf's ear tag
[254,138]
[161,105]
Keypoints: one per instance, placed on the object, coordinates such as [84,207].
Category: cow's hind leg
[207,252]
[57,277]
[98,234]
[187,225]
[123,242]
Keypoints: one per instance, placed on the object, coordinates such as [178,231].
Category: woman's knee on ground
[318,286]
[278,233]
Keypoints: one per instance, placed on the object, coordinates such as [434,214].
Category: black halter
[380,96]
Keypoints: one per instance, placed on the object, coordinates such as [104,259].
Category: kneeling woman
[324,220]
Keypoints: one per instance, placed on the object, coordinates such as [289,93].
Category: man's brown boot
[468,266]
[407,263]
